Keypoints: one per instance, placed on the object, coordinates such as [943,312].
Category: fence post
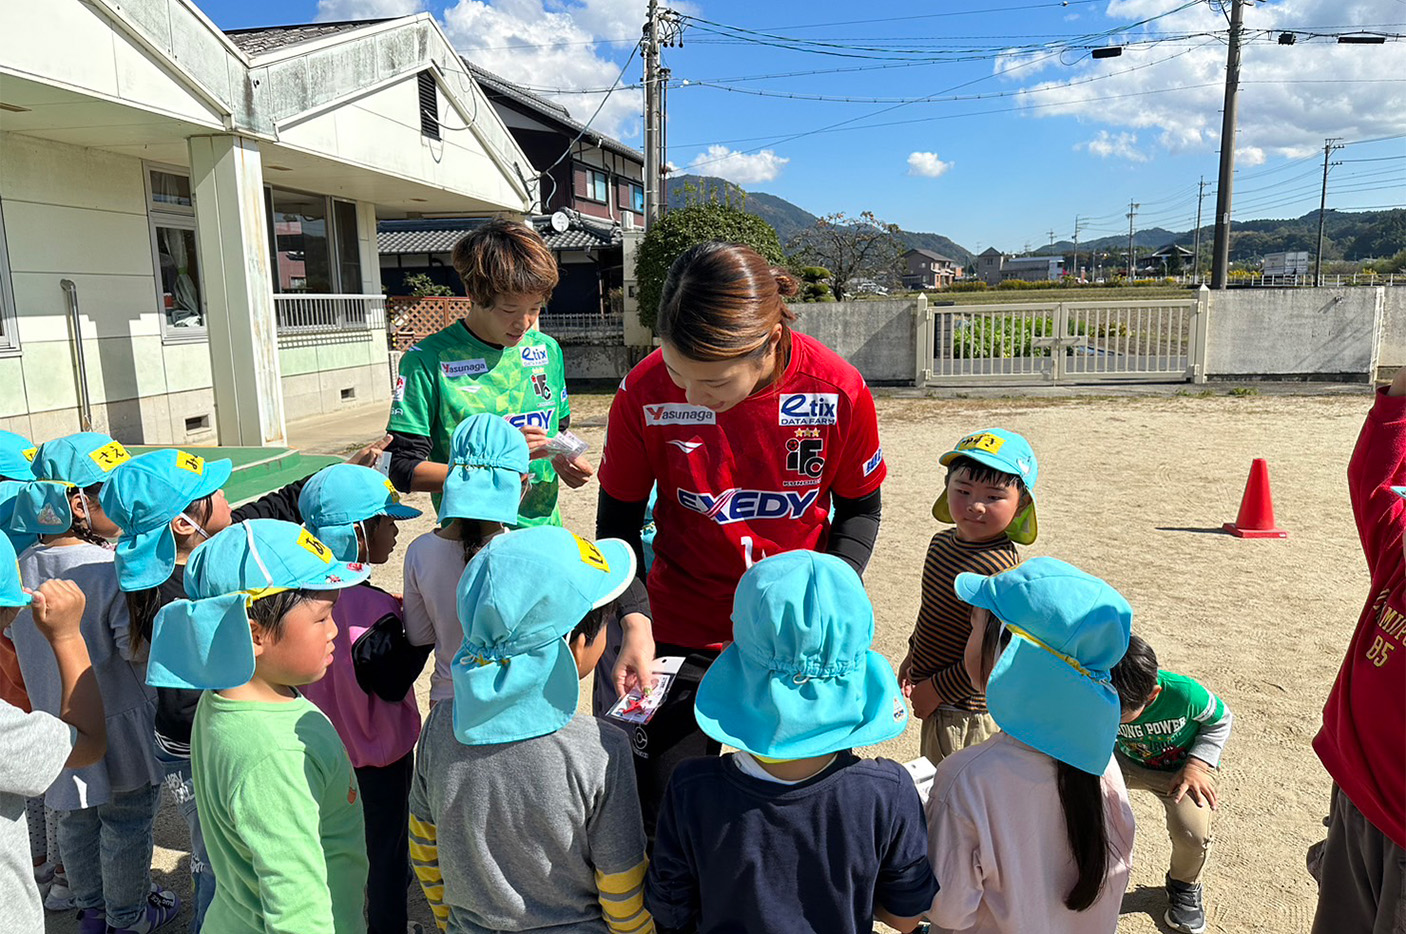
[923,340]
[1196,354]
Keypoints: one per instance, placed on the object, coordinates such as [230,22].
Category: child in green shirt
[277,795]
[1170,740]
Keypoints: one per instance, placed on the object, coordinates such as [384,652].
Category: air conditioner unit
[627,220]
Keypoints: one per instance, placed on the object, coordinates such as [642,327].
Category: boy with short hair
[1169,743]
[493,360]
[989,497]
[794,832]
[523,815]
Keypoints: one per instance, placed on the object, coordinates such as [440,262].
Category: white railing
[309,313]
[1337,280]
[1058,342]
[571,323]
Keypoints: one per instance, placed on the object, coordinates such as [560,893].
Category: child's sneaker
[60,897]
[1184,910]
[92,921]
[44,878]
[162,906]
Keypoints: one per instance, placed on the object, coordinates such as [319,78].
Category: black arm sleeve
[280,504]
[407,451]
[616,518]
[854,529]
[635,599]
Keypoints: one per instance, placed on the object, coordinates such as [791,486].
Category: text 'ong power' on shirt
[1184,720]
[740,485]
[451,375]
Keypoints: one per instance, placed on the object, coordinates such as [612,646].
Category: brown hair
[721,301]
[504,256]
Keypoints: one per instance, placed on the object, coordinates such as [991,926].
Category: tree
[816,287]
[699,222]
[850,247]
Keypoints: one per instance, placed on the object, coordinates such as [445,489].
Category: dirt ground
[1135,491]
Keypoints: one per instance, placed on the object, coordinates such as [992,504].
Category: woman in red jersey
[752,432]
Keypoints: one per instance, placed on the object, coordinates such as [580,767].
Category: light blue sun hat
[11,585]
[487,458]
[204,643]
[1051,687]
[16,456]
[80,460]
[799,678]
[9,491]
[1009,453]
[336,499]
[142,496]
[514,675]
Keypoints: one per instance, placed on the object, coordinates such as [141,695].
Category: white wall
[877,337]
[1326,333]
[1392,343]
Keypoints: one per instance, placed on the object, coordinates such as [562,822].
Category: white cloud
[740,167]
[1290,99]
[1120,145]
[556,44]
[926,165]
[336,10]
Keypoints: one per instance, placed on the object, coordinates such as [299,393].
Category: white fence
[1056,342]
[578,324]
[308,314]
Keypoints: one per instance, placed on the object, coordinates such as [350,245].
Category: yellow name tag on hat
[29,454]
[591,555]
[110,455]
[191,462]
[395,494]
[310,543]
[982,442]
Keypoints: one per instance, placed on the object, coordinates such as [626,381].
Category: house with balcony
[924,269]
[188,248]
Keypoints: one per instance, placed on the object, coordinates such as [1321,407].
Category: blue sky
[1024,131]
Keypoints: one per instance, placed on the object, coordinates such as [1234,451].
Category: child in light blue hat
[16,469]
[1031,830]
[988,497]
[488,475]
[115,798]
[794,825]
[367,691]
[278,799]
[524,814]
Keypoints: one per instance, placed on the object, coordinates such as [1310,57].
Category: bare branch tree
[850,247]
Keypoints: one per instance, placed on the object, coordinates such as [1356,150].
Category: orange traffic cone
[1256,518]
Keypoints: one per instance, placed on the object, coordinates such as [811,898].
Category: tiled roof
[439,236]
[931,255]
[495,85]
[266,39]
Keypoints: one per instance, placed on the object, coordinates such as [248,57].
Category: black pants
[1363,886]
[385,800]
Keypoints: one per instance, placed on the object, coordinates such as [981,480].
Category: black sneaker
[1184,910]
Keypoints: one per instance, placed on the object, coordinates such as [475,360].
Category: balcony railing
[307,318]
[581,324]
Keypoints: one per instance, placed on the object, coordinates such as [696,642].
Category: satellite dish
[560,222]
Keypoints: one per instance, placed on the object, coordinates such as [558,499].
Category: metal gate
[1161,340]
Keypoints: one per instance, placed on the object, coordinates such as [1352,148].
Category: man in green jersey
[493,360]
[1169,743]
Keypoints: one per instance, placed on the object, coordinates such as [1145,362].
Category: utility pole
[653,116]
[1132,265]
[1196,254]
[1328,146]
[1220,254]
[1077,277]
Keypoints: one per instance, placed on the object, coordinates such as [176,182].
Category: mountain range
[1353,235]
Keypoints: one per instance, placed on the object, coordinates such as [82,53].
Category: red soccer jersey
[737,486]
[1363,739]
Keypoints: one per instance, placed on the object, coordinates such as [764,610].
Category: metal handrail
[75,323]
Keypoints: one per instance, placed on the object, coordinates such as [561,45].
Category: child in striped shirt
[989,497]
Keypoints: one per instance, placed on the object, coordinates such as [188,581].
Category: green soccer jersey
[452,374]
[1163,736]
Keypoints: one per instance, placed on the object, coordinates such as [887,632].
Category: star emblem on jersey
[688,447]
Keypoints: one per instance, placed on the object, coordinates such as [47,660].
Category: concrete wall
[1391,342]
[323,378]
[877,337]
[1295,333]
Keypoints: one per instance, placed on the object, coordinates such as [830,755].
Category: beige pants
[1188,824]
[950,729]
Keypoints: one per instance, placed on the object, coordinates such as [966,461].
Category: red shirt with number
[739,485]
[1363,739]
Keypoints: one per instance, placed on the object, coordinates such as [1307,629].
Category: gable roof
[989,251]
[931,255]
[500,87]
[263,39]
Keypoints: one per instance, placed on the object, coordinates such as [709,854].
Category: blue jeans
[107,854]
[181,789]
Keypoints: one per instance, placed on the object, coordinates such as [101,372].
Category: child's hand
[923,697]
[1197,779]
[905,668]
[369,455]
[58,610]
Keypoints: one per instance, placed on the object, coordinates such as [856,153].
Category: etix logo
[736,505]
[810,408]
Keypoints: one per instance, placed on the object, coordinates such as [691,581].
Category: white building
[209,203]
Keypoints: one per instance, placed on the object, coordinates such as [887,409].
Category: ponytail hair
[1081,796]
[82,526]
[722,301]
[474,534]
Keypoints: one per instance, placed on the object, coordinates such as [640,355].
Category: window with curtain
[171,214]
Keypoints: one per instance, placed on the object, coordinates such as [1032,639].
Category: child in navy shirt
[794,833]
